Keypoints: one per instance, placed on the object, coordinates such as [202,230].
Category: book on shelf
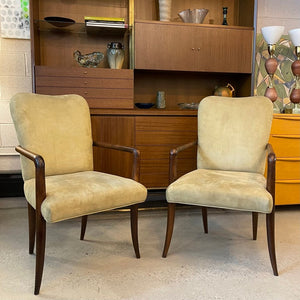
[105,22]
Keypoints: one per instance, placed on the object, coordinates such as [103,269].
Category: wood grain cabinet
[155,137]
[54,68]
[285,139]
[102,88]
[193,47]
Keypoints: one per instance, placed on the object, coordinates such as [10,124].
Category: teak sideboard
[187,61]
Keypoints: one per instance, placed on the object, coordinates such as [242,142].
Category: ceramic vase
[165,10]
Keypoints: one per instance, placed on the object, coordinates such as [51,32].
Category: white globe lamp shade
[272,34]
[295,36]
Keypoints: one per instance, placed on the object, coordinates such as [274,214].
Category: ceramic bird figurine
[90,60]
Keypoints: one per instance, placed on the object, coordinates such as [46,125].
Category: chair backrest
[233,133]
[56,127]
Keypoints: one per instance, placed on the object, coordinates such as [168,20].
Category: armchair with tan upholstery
[232,145]
[54,133]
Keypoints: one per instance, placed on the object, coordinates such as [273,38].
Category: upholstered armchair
[232,148]
[56,150]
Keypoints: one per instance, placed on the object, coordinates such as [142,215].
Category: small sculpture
[90,60]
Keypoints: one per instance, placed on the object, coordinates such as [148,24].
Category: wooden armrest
[40,184]
[136,156]
[271,171]
[173,159]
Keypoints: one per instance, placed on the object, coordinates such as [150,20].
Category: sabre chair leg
[40,252]
[83,226]
[170,226]
[271,241]
[31,227]
[254,224]
[204,219]
[134,229]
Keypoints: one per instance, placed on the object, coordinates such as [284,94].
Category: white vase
[165,10]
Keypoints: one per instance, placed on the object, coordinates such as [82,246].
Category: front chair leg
[170,226]
[134,229]
[83,226]
[271,241]
[31,227]
[204,219]
[254,224]
[40,252]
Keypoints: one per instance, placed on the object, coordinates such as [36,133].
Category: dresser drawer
[285,124]
[102,88]
[287,192]
[286,145]
[287,168]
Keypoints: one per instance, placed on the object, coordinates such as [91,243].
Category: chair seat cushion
[222,189]
[83,193]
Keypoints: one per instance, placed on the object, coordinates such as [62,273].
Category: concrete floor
[225,264]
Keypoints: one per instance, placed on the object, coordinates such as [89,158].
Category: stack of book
[105,22]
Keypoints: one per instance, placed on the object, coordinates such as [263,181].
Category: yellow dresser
[285,139]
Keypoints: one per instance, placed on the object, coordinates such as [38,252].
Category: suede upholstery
[56,127]
[232,138]
[222,189]
[233,133]
[59,129]
[84,193]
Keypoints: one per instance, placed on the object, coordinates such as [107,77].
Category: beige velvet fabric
[222,189]
[84,193]
[56,127]
[59,129]
[233,133]
[232,138]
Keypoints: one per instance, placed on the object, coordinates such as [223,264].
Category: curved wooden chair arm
[136,156]
[173,159]
[271,171]
[40,184]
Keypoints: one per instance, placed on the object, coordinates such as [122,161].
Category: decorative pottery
[160,99]
[144,105]
[225,91]
[90,60]
[196,15]
[59,21]
[115,55]
[165,10]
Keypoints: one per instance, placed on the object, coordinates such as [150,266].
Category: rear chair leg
[254,224]
[204,219]
[134,229]
[83,226]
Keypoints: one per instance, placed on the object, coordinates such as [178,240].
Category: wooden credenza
[154,132]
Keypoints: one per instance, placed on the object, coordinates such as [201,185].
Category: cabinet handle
[291,181]
[288,159]
[85,82]
[193,49]
[198,49]
[286,136]
[287,118]
[85,72]
[85,93]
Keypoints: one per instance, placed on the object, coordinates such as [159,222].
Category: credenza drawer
[102,88]
[287,192]
[286,124]
[288,168]
[285,145]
